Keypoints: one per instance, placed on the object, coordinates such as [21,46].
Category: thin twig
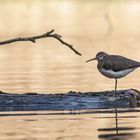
[34,38]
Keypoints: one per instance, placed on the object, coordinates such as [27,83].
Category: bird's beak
[90,60]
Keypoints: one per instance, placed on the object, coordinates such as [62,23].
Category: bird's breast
[115,74]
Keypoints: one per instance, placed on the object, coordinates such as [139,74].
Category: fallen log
[69,101]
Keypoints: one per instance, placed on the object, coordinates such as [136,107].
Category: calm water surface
[49,67]
[100,124]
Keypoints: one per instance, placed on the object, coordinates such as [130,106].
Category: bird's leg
[116,115]
[115,86]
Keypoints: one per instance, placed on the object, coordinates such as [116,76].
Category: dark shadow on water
[118,117]
[114,129]
[120,136]
[73,112]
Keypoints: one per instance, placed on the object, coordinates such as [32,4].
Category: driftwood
[69,101]
[45,35]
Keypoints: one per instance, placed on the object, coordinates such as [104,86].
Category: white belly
[113,74]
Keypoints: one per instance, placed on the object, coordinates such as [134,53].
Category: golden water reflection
[47,65]
[63,125]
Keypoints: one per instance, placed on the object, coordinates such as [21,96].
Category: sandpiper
[114,66]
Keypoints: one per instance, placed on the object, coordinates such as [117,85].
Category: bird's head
[99,56]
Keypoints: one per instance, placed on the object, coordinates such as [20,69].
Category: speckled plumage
[117,63]
[115,66]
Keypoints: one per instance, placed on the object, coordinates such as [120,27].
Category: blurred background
[48,66]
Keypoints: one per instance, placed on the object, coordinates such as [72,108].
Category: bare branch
[45,35]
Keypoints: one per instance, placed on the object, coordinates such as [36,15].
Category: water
[49,67]
[94,124]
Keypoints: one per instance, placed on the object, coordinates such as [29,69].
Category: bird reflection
[116,132]
[116,120]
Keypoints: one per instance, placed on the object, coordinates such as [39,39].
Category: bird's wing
[118,63]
